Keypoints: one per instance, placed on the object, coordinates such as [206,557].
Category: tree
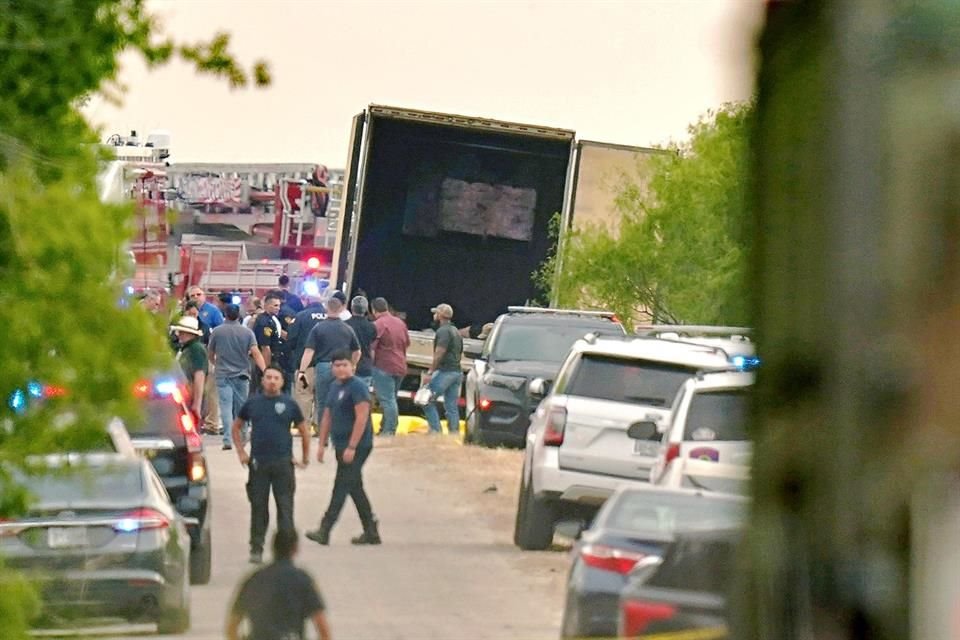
[59,286]
[679,252]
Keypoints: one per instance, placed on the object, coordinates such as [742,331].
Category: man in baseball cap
[192,357]
[445,375]
[443,311]
[342,297]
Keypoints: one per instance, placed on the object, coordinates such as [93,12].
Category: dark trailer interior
[456,214]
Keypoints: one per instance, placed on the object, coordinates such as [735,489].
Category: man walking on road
[445,375]
[278,598]
[192,358]
[366,334]
[230,349]
[331,335]
[346,419]
[389,353]
[271,414]
[297,336]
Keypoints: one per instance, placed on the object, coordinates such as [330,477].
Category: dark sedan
[685,591]
[102,540]
[632,531]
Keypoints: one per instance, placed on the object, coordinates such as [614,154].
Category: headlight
[506,382]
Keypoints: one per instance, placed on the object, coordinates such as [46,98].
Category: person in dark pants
[366,333]
[346,418]
[278,598]
[270,460]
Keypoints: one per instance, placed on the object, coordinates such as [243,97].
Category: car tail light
[141,520]
[196,467]
[636,616]
[189,427]
[556,423]
[484,404]
[142,389]
[600,556]
[673,452]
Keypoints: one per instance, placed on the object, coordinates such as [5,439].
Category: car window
[717,415]
[698,565]
[628,380]
[161,418]
[656,512]
[540,342]
[99,483]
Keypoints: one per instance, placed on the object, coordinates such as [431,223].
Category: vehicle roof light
[165,387]
[313,262]
[17,401]
[35,389]
[311,288]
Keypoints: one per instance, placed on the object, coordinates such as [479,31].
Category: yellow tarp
[412,424]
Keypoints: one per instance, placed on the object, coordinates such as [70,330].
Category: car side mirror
[539,387]
[643,431]
[472,350]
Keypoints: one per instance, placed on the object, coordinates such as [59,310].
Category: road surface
[447,568]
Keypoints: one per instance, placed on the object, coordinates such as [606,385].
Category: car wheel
[201,561]
[177,621]
[471,428]
[570,627]
[535,522]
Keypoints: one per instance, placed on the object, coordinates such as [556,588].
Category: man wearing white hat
[192,357]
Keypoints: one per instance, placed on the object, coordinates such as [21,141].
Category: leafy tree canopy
[678,254]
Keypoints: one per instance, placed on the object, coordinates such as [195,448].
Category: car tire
[536,520]
[471,427]
[177,621]
[201,561]
[570,627]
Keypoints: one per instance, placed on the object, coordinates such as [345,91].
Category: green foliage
[59,290]
[678,254]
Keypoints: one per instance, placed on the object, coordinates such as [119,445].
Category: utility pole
[856,275]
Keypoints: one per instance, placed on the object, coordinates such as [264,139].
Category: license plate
[60,537]
[645,448]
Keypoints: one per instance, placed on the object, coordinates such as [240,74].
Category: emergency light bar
[692,329]
[563,312]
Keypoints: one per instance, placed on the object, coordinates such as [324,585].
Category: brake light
[484,404]
[189,427]
[556,424]
[54,391]
[636,616]
[196,467]
[606,558]
[141,389]
[141,520]
[673,452]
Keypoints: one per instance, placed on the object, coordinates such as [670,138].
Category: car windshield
[539,342]
[625,380]
[717,416]
[102,483]
[161,417]
[656,512]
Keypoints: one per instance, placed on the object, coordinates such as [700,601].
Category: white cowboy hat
[187,324]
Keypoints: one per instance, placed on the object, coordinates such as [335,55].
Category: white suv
[578,448]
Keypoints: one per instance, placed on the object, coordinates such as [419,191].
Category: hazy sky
[633,72]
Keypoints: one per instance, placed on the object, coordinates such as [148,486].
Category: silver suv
[578,446]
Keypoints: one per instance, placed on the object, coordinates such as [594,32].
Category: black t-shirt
[293,301]
[366,333]
[271,418]
[276,600]
[448,338]
[342,400]
[265,330]
[328,337]
[299,329]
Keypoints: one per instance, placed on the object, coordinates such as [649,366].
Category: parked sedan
[631,531]
[685,591]
[102,540]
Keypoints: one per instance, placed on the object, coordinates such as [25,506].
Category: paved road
[447,568]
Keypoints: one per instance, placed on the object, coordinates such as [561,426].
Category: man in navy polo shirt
[346,418]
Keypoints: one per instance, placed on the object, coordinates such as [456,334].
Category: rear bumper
[579,487]
[123,593]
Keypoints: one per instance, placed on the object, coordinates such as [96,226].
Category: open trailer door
[342,267]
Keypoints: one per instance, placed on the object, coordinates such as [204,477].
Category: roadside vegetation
[679,252]
[65,322]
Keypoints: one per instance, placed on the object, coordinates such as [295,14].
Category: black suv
[169,438]
[525,343]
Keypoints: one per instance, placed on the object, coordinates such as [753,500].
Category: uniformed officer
[267,331]
[297,336]
[271,414]
[278,598]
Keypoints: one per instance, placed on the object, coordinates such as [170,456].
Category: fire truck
[226,228]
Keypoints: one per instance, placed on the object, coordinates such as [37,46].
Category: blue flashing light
[165,387]
[18,401]
[35,389]
[311,288]
[745,363]
[235,300]
[127,525]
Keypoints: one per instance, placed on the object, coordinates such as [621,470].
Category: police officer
[267,332]
[297,335]
[271,463]
[278,598]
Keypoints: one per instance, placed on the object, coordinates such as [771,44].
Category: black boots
[370,535]
[321,535]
